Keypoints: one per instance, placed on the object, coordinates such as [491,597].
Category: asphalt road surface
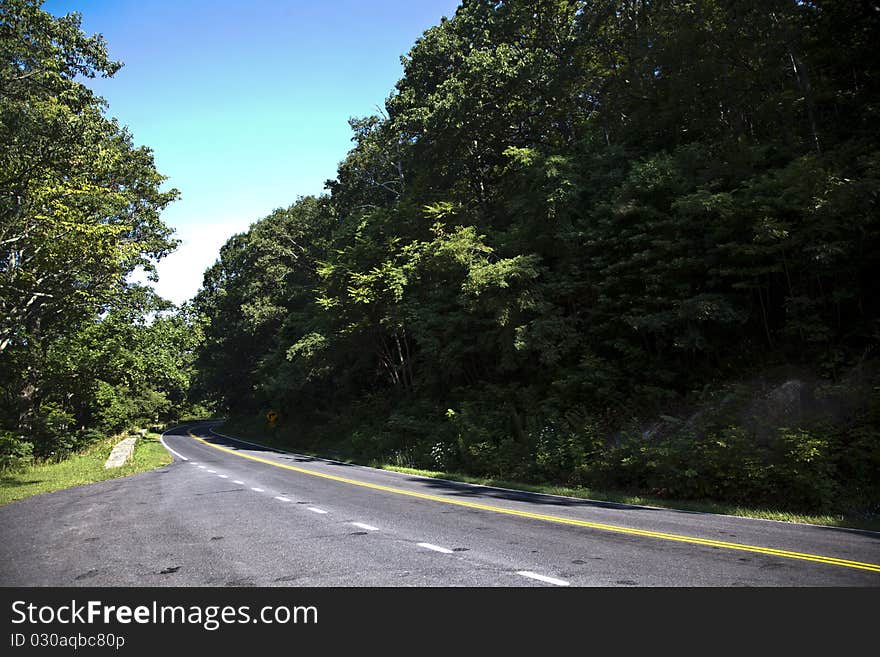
[230,513]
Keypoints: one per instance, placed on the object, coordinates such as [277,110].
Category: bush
[52,432]
[564,455]
[727,464]
[803,472]
[857,463]
[484,444]
[87,437]
[16,454]
[115,407]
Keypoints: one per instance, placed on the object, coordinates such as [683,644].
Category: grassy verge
[84,468]
[248,432]
[704,506]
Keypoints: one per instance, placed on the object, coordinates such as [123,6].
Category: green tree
[79,203]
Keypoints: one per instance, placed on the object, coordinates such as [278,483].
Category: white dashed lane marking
[542,578]
[436,548]
[257,490]
[316,510]
[281,498]
[364,525]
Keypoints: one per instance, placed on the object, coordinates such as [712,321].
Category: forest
[620,244]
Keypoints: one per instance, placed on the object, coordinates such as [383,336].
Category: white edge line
[165,445]
[364,525]
[316,509]
[436,548]
[542,578]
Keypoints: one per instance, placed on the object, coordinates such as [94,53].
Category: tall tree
[79,203]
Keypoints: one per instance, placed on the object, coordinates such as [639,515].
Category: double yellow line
[693,540]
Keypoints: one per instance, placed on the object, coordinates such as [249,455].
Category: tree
[260,290]
[79,203]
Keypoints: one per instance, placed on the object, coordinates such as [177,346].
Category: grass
[85,467]
[872,523]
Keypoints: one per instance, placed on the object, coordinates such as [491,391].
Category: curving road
[227,512]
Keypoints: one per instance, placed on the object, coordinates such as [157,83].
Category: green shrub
[16,454]
[803,471]
[565,456]
[52,432]
[857,462]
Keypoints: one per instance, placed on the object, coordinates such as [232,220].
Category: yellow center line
[834,561]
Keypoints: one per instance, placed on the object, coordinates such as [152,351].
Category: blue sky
[245,104]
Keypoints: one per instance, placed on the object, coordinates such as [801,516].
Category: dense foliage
[571,218]
[79,212]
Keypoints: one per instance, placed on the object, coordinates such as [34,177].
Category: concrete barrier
[121,452]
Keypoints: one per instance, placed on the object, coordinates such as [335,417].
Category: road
[229,513]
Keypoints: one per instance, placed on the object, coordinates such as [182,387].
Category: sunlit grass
[85,467]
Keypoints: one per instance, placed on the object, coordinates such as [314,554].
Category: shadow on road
[473,490]
[873,535]
[203,431]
